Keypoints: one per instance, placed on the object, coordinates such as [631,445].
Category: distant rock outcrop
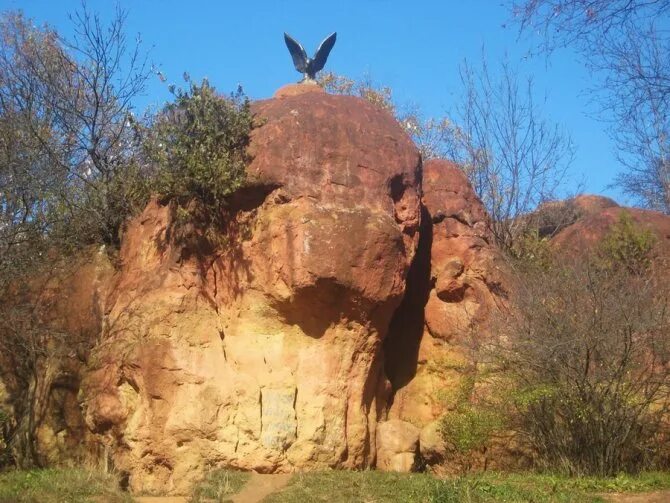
[589,230]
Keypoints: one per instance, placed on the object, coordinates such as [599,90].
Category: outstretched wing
[297,53]
[321,54]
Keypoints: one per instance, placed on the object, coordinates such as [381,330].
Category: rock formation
[265,352]
[328,327]
[461,280]
[592,227]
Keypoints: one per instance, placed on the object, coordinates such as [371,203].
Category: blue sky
[413,46]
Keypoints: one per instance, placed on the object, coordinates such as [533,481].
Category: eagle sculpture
[309,66]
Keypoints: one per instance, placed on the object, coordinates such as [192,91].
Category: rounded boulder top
[335,149]
[298,89]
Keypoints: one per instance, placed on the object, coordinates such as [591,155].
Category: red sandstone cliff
[326,330]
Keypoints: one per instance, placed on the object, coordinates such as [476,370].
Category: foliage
[468,428]
[60,485]
[532,250]
[585,354]
[72,101]
[627,246]
[69,177]
[74,168]
[197,145]
[218,485]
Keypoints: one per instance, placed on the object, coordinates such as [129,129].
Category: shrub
[472,423]
[468,427]
[627,246]
[586,353]
[198,147]
[531,250]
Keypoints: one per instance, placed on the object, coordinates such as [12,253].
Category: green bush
[198,147]
[531,250]
[627,246]
[470,427]
[471,424]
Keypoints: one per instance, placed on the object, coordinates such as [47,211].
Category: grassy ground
[60,486]
[378,487]
[218,485]
[79,486]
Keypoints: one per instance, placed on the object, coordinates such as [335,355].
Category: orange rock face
[459,279]
[264,353]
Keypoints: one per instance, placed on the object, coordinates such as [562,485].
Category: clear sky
[413,46]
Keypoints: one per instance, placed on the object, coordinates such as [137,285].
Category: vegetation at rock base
[580,365]
[218,485]
[340,486]
[59,486]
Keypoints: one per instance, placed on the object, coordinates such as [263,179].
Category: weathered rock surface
[397,446]
[265,353]
[432,446]
[458,277]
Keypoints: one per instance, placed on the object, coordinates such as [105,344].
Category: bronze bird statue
[309,66]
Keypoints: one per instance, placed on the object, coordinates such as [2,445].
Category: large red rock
[462,282]
[264,353]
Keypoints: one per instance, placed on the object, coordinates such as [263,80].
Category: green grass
[60,486]
[378,487]
[218,485]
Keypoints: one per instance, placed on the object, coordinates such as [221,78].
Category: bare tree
[581,362]
[566,22]
[636,69]
[430,134]
[627,44]
[68,178]
[77,97]
[514,157]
